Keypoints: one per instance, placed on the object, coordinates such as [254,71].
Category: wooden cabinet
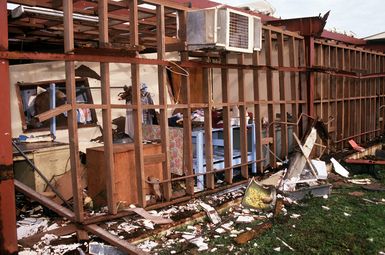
[125,172]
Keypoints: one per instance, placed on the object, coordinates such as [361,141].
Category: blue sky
[363,18]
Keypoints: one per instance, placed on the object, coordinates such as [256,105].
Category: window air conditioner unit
[220,28]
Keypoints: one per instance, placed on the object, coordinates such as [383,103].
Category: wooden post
[187,128]
[293,83]
[77,188]
[228,157]
[208,97]
[8,240]
[137,112]
[282,97]
[242,113]
[164,135]
[257,114]
[106,100]
[270,96]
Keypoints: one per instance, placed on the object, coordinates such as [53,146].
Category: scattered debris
[347,214]
[320,167]
[339,169]
[251,234]
[200,243]
[96,248]
[356,193]
[211,213]
[154,218]
[245,219]
[374,187]
[355,146]
[360,181]
[259,197]
[325,208]
[277,249]
[147,245]
[31,226]
[284,243]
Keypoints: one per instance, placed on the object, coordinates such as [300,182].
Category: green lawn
[316,231]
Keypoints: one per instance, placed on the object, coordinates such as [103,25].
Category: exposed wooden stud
[106,100]
[77,188]
[137,113]
[208,97]
[228,146]
[282,96]
[257,114]
[270,96]
[187,128]
[293,83]
[164,136]
[242,114]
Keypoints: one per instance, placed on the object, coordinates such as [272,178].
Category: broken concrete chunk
[211,213]
[200,243]
[274,180]
[339,169]
[30,226]
[96,248]
[147,245]
[245,219]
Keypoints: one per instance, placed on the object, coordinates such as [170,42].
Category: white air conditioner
[220,28]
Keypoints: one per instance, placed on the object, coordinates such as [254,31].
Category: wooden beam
[47,202]
[106,113]
[293,83]
[270,96]
[228,150]
[135,81]
[164,134]
[114,240]
[72,114]
[208,98]
[242,113]
[257,114]
[282,96]
[53,112]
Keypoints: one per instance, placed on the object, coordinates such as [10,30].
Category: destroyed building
[116,108]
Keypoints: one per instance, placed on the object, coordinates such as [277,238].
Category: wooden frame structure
[290,76]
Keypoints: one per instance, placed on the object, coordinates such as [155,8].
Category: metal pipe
[41,175]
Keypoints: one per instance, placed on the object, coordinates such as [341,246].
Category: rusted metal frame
[242,115]
[302,84]
[208,98]
[162,86]
[106,100]
[228,146]
[282,96]
[8,239]
[137,113]
[270,96]
[114,240]
[257,113]
[77,188]
[335,96]
[375,92]
[187,128]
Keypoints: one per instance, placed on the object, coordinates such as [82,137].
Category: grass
[316,231]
